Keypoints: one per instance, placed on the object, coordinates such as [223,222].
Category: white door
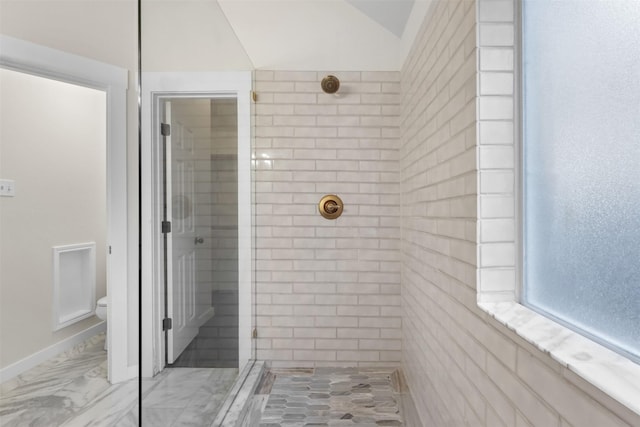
[182,239]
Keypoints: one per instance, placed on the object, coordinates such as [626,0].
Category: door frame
[54,64]
[156,85]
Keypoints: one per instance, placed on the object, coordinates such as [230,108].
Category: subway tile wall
[328,291]
[458,166]
[442,334]
[424,160]
[541,391]
[497,127]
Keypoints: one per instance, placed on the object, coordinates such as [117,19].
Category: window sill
[611,373]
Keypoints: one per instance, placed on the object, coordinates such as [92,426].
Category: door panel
[181,242]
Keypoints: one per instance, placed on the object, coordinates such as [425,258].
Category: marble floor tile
[160,417]
[72,390]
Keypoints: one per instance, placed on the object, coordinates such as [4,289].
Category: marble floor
[69,390]
[72,390]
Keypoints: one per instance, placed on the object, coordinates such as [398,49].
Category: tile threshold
[235,406]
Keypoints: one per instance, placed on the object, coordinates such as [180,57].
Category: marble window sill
[611,373]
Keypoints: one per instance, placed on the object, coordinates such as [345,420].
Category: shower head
[330,84]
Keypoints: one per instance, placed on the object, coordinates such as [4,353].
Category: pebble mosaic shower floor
[332,397]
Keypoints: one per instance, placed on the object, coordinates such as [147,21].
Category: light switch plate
[7,188]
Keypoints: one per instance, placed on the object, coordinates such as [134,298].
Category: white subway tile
[361,110]
[528,404]
[318,355]
[379,322]
[296,76]
[293,343]
[497,279]
[497,181]
[294,98]
[336,344]
[313,110]
[336,322]
[496,11]
[496,157]
[314,310]
[497,59]
[271,86]
[275,354]
[574,406]
[496,35]
[358,333]
[379,344]
[293,321]
[496,83]
[497,255]
[495,108]
[497,206]
[359,356]
[497,230]
[275,333]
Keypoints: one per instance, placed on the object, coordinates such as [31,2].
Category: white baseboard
[45,354]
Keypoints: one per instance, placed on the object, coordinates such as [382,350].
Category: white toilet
[101,312]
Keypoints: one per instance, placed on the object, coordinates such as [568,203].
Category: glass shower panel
[188,65]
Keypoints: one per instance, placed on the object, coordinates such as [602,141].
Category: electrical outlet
[7,188]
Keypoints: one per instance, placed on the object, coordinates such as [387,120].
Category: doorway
[74,322]
[197,278]
[200,236]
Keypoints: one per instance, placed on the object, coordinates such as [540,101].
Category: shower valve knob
[330,206]
[199,240]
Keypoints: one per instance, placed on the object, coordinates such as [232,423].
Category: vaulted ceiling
[329,34]
[391,14]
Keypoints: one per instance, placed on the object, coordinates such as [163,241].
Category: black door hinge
[166,226]
[167,324]
[165,129]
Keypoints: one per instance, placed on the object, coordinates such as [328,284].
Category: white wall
[311,35]
[191,35]
[463,367]
[46,126]
[104,30]
[328,292]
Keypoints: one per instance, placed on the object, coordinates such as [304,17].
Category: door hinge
[167,324]
[254,333]
[166,226]
[254,96]
[109,249]
[165,129]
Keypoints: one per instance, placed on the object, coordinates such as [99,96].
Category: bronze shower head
[330,84]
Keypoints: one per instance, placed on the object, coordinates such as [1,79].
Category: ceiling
[325,34]
[391,14]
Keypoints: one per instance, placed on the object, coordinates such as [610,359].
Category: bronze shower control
[330,206]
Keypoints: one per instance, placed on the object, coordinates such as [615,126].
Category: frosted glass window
[581,118]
